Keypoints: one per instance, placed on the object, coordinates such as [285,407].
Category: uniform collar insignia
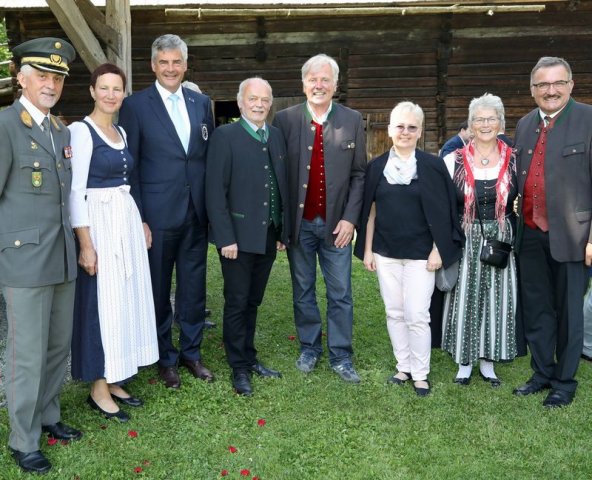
[56,124]
[27,119]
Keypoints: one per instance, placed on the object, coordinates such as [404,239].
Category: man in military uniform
[37,253]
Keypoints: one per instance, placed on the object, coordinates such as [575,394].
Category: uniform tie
[179,122]
[45,125]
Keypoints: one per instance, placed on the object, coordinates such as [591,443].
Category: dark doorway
[226,112]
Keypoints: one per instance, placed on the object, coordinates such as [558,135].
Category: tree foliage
[4,52]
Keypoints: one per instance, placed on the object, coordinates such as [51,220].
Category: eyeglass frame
[485,120]
[545,86]
[401,128]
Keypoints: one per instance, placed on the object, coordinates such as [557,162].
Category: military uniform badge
[204,132]
[68,151]
[37,179]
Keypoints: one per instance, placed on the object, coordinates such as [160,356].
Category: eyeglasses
[487,120]
[410,128]
[544,86]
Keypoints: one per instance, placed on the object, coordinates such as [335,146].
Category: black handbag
[493,252]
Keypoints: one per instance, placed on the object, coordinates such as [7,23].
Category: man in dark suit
[554,164]
[456,142]
[168,128]
[326,163]
[246,190]
[37,253]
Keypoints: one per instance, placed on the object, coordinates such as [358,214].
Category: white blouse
[82,149]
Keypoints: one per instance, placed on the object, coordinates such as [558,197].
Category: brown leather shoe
[169,376]
[197,369]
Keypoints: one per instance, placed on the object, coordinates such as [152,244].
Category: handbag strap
[479,217]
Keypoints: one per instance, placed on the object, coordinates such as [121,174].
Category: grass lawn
[316,426]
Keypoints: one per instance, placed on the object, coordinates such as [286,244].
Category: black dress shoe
[462,380]
[422,392]
[197,369]
[493,381]
[558,398]
[32,462]
[129,401]
[263,371]
[209,324]
[119,415]
[61,431]
[394,380]
[530,387]
[170,377]
[586,357]
[242,383]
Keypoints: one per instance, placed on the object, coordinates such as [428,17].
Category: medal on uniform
[37,179]
[204,132]
[68,152]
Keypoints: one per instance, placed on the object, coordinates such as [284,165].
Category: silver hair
[488,101]
[546,62]
[169,42]
[407,107]
[191,86]
[27,69]
[317,61]
[245,82]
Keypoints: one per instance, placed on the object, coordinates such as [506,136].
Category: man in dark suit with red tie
[554,163]
[168,128]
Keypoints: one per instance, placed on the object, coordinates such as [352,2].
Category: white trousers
[406,287]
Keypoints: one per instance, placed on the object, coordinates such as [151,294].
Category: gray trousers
[37,348]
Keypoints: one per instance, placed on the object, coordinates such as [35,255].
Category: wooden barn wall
[438,61]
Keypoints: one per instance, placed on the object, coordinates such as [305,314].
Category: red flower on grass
[245,472]
[51,441]
[291,337]
[223,473]
[261,422]
[132,434]
[138,469]
[232,449]
[256,478]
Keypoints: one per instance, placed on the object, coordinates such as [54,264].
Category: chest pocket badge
[37,179]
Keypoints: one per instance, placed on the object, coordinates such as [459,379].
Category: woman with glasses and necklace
[479,313]
[408,229]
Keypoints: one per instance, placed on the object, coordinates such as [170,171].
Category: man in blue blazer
[168,127]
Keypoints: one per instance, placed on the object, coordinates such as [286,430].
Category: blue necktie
[179,122]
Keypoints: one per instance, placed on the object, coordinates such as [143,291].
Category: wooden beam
[97,22]
[287,12]
[73,23]
[118,17]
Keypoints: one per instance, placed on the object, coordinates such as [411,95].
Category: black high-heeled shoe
[119,415]
[129,401]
